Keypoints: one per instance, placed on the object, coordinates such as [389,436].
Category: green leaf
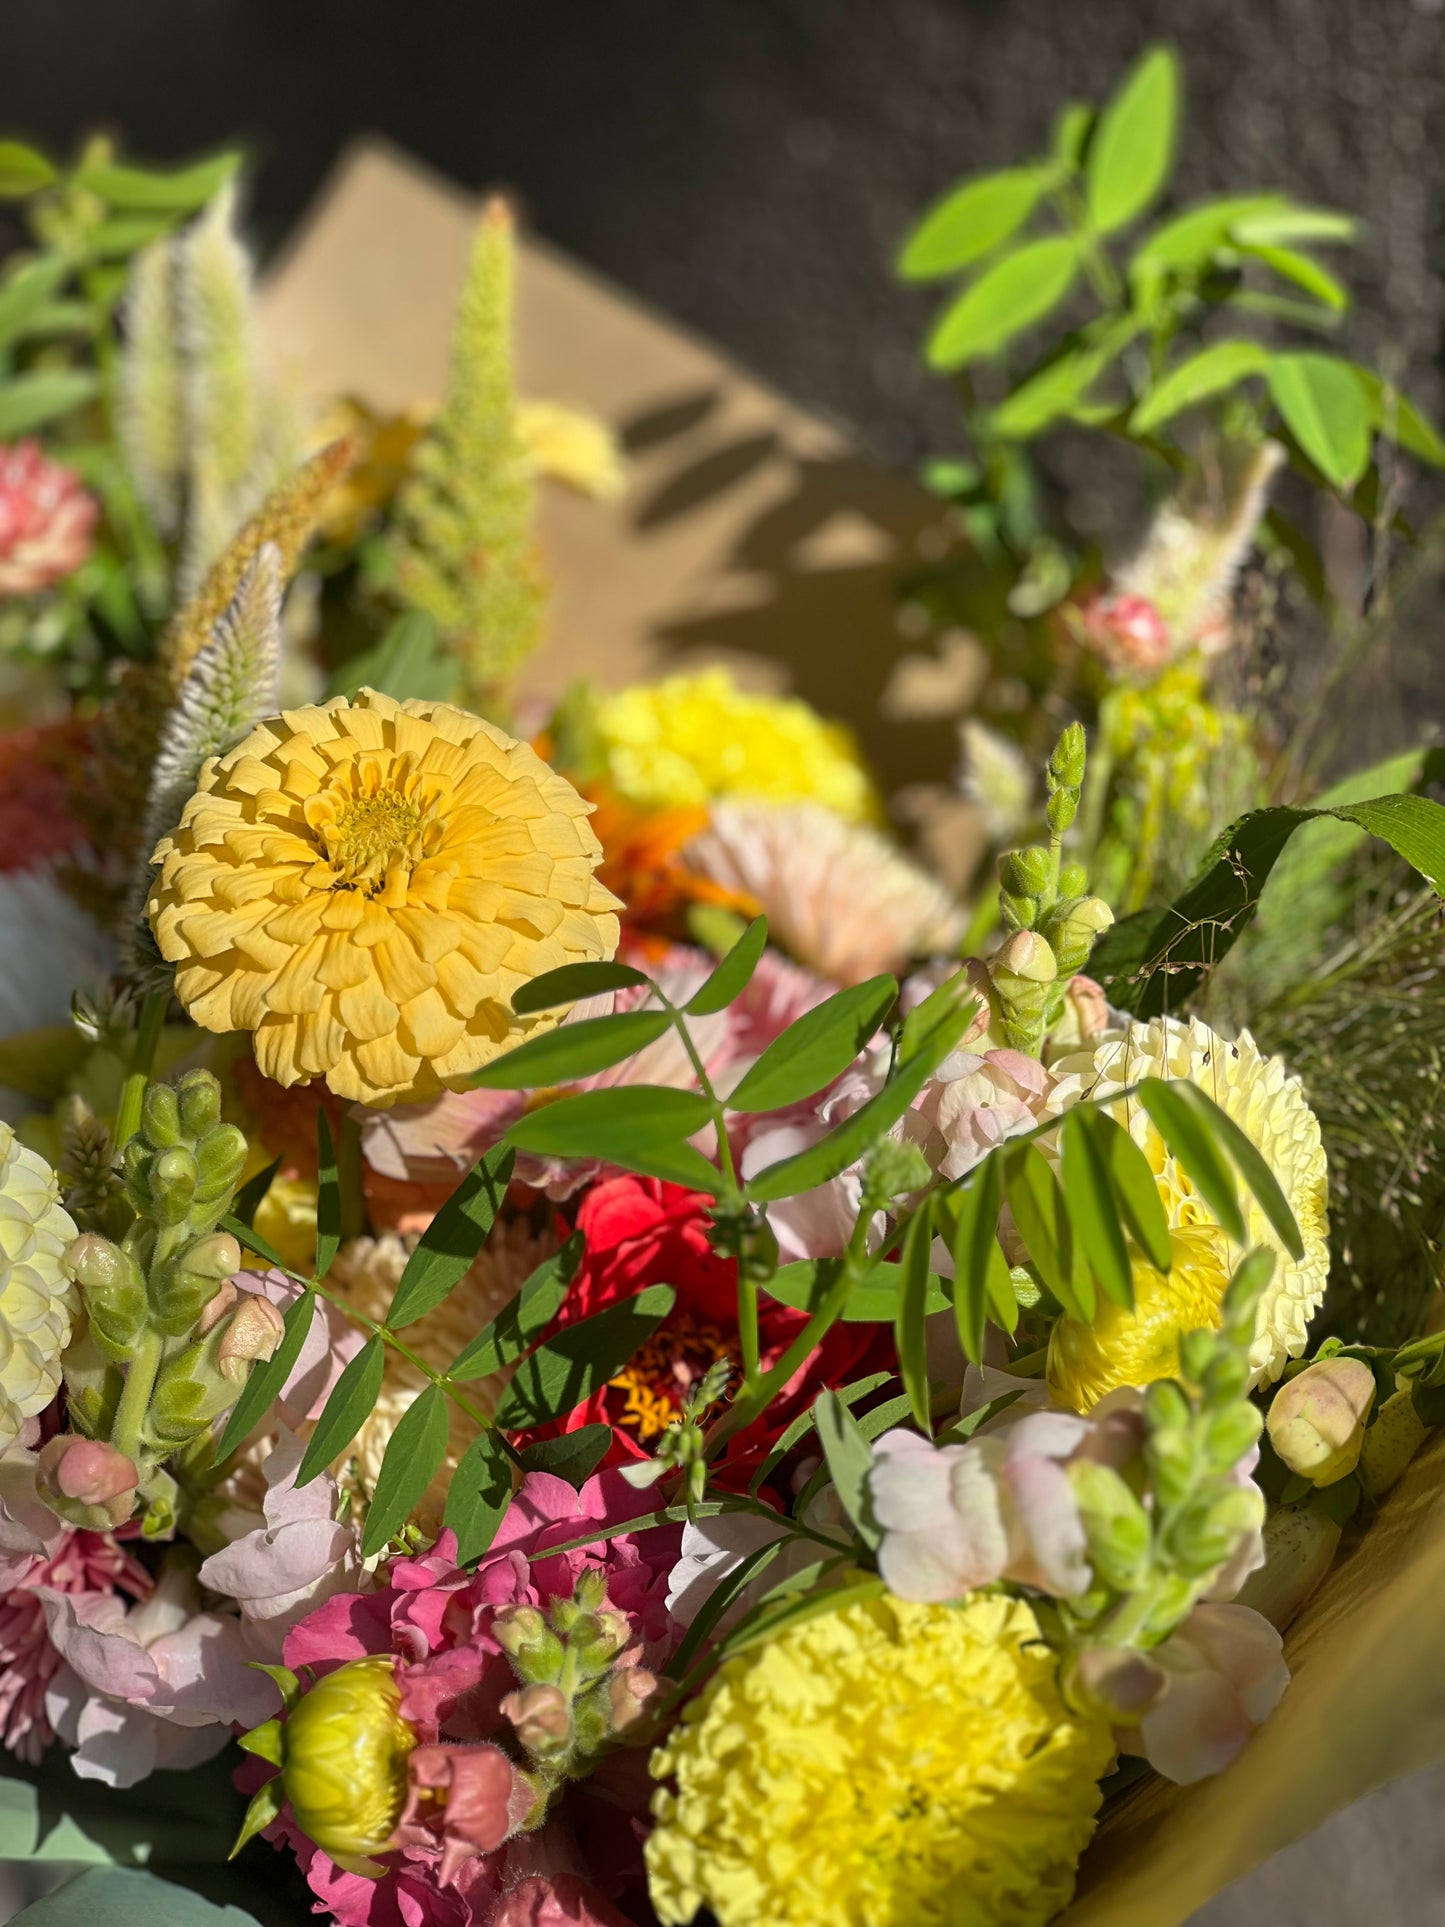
[1305,273]
[414,1452]
[849,1461]
[478,1496]
[1043,1223]
[573,1456]
[1133,148]
[248,1198]
[789,1437]
[1191,239]
[816,1048]
[1283,223]
[1093,1210]
[1073,125]
[268,1377]
[733,974]
[524,1318]
[1053,390]
[571,983]
[126,235]
[572,1051]
[127,1897]
[28,289]
[28,402]
[910,1335]
[410,661]
[139,189]
[1189,1136]
[769,1624]
[579,1360]
[1135,1190]
[1018,290]
[23,171]
[1399,421]
[328,1196]
[450,1243]
[641,1127]
[1208,373]
[251,1240]
[1250,1164]
[980,1270]
[971,221]
[1326,409]
[352,1401]
[873,1300]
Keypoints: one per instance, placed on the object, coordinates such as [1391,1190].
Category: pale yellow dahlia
[37,1298]
[365,884]
[886,1765]
[1258,1093]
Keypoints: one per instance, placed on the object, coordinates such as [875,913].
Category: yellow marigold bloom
[346,1748]
[885,1765]
[679,743]
[365,884]
[37,1298]
[1257,1092]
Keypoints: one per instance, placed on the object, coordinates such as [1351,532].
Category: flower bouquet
[568,1313]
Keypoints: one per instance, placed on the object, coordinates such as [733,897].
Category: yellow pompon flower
[344,1769]
[884,1765]
[681,743]
[364,885]
[1258,1093]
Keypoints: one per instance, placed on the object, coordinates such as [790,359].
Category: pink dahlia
[46,519]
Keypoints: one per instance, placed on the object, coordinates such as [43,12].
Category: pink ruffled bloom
[437,1620]
[46,520]
[973,1104]
[1225,1673]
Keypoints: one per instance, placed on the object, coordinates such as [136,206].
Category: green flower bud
[220,1159]
[1196,1354]
[1026,873]
[1073,929]
[1019,913]
[1391,1442]
[113,1287]
[1230,1433]
[1208,1529]
[894,1169]
[1073,880]
[590,1591]
[1061,809]
[1066,765]
[160,1117]
[1166,1405]
[1226,1376]
[1169,1453]
[181,1289]
[1115,1523]
[198,1095]
[172,1185]
[1317,1419]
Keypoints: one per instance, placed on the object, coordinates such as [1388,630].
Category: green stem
[369,1325]
[140,1379]
[142,1059]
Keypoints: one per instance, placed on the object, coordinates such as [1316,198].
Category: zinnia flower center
[649,1390]
[374,823]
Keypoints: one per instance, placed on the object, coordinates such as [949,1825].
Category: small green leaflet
[733,974]
[248,1198]
[22,171]
[251,1240]
[523,1320]
[816,1048]
[1043,1223]
[478,1496]
[1133,1184]
[413,1455]
[1191,239]
[27,290]
[30,401]
[849,1461]
[1089,1195]
[134,188]
[1017,290]
[1133,146]
[328,1196]
[909,1330]
[571,983]
[580,1359]
[1186,1129]
[642,1127]
[352,1401]
[850,1395]
[1326,409]
[573,1456]
[980,1270]
[450,1243]
[873,1300]
[268,1377]
[1211,371]
[573,1051]
[971,222]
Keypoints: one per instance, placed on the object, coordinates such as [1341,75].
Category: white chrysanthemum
[837,895]
[1268,1105]
[37,1299]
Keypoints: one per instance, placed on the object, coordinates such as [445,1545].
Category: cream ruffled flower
[37,1299]
[364,885]
[1258,1093]
[837,895]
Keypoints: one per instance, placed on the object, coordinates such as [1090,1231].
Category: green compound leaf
[572,1051]
[350,1405]
[560,1375]
[414,1454]
[971,222]
[1133,147]
[816,1048]
[450,1243]
[733,974]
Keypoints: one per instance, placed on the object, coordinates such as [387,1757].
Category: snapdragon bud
[255,1330]
[542,1719]
[160,1117]
[1066,765]
[1073,929]
[1024,972]
[629,1691]
[181,1288]
[1390,1443]
[1115,1524]
[172,1185]
[1027,872]
[1317,1419]
[87,1481]
[1114,1683]
[114,1289]
[1206,1531]
[198,1100]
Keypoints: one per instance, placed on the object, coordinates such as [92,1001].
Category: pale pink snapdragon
[1224,1673]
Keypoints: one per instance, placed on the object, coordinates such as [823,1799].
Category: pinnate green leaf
[1210,372]
[450,1243]
[1135,1189]
[414,1452]
[1283,222]
[572,1051]
[580,1359]
[573,1456]
[815,1048]
[1326,409]
[1020,288]
[1304,272]
[909,1328]
[248,1198]
[733,974]
[1133,146]
[1092,1207]
[268,1376]
[352,1401]
[521,1322]
[641,1127]
[1191,239]
[478,1496]
[1043,1223]
[28,402]
[1400,421]
[570,983]
[873,1300]
[971,222]
[1190,1137]
[28,289]
[1251,1165]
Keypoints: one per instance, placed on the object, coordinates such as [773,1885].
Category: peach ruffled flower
[46,520]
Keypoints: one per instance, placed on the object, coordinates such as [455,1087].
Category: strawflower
[46,519]
[363,885]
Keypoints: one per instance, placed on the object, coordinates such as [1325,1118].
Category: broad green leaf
[352,1401]
[1020,288]
[1053,391]
[571,983]
[410,661]
[450,1243]
[139,189]
[816,1048]
[478,1496]
[910,1335]
[1191,1138]
[1326,409]
[849,1461]
[580,1359]
[573,1456]
[23,171]
[126,1897]
[268,1376]
[1250,1164]
[980,1270]
[873,1300]
[1305,273]
[1042,1219]
[733,974]
[1192,239]
[971,222]
[1279,225]
[328,1196]
[1399,421]
[641,1127]
[414,1452]
[521,1322]
[248,1198]
[1151,962]
[875,1423]
[1208,373]
[1093,1210]
[572,1051]
[1135,1188]
[27,290]
[28,402]
[1133,146]
[127,234]
[1072,127]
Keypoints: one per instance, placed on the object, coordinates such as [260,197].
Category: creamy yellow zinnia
[1258,1093]
[688,740]
[885,1765]
[363,885]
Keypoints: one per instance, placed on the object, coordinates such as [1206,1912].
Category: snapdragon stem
[135,1398]
[142,1060]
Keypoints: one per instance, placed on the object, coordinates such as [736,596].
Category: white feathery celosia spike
[996,776]
[151,418]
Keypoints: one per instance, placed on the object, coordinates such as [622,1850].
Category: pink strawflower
[46,519]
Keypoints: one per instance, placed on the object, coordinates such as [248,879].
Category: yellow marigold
[885,1765]
[1124,1348]
[680,743]
[365,884]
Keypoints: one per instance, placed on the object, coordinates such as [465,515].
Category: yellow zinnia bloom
[681,743]
[363,885]
[1258,1093]
[885,1765]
